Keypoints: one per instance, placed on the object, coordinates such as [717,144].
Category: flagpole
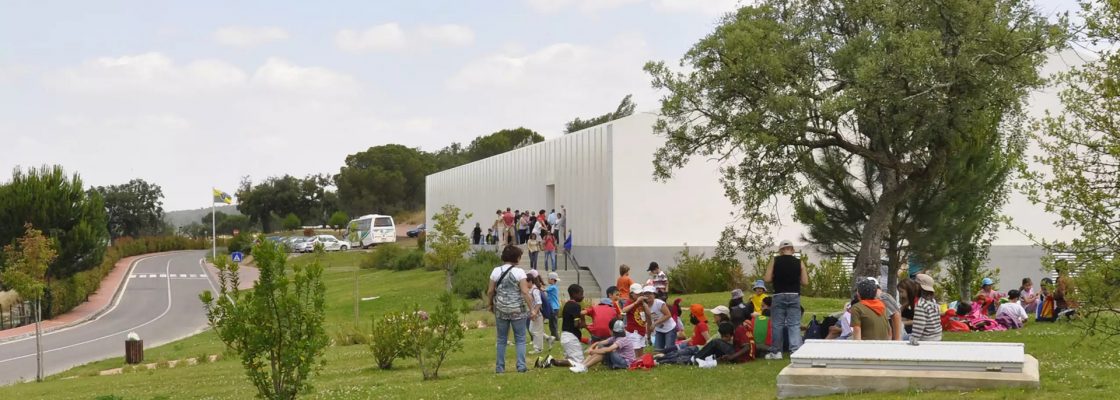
[213,232]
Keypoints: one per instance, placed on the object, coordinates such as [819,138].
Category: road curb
[103,309]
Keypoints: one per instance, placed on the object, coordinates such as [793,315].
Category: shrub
[409,260]
[829,279]
[697,274]
[439,336]
[243,242]
[393,337]
[472,277]
[349,336]
[383,256]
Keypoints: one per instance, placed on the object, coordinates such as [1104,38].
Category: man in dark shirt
[788,274]
[571,324]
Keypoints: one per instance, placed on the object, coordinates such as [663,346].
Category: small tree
[447,244]
[292,222]
[26,273]
[338,220]
[393,337]
[277,326]
[439,336]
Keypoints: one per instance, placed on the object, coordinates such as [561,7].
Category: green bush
[697,274]
[393,257]
[349,335]
[243,243]
[438,336]
[471,279]
[393,337]
[828,279]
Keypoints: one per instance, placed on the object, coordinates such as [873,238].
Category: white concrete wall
[577,164]
[689,208]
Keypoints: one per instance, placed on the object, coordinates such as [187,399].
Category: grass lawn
[1069,370]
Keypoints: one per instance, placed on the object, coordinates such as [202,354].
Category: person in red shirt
[601,316]
[700,334]
[637,318]
[742,338]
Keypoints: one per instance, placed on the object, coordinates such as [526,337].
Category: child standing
[554,302]
[549,251]
[536,325]
[623,283]
[659,280]
[534,247]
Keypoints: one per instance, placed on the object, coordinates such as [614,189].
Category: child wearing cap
[740,310]
[637,319]
[601,316]
[616,352]
[991,296]
[759,294]
[927,314]
[659,280]
[1011,314]
[553,292]
[700,334]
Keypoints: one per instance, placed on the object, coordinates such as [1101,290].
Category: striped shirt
[927,321]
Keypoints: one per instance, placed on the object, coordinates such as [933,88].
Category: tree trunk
[449,272]
[868,260]
[893,260]
[38,342]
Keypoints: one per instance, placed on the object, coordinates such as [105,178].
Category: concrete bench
[822,367]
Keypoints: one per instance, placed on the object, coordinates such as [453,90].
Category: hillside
[186,217]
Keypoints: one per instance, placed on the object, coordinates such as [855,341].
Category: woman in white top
[536,325]
[508,296]
[664,326]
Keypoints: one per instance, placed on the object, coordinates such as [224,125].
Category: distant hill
[186,217]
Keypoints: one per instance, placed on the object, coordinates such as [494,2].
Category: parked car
[416,231]
[330,243]
[295,244]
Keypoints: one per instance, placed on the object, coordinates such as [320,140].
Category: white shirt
[1013,309]
[518,273]
[655,314]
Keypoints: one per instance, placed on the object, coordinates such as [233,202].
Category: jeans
[554,325]
[661,340]
[550,256]
[519,328]
[785,318]
[533,259]
[716,348]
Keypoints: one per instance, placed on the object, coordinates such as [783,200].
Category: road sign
[236,256]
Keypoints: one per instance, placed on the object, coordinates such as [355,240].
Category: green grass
[1069,370]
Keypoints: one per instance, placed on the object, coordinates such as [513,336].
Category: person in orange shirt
[624,282]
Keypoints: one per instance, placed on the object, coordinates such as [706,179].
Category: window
[382,222]
[363,224]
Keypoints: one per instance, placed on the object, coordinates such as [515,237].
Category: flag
[568,243]
[222,197]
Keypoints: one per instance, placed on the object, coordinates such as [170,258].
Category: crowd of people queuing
[636,326]
[539,232]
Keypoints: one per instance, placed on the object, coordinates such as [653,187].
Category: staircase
[572,274]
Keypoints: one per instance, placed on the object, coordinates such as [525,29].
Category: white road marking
[165,311]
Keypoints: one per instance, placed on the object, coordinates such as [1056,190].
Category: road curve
[159,302]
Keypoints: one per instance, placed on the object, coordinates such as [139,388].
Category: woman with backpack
[509,297]
[536,325]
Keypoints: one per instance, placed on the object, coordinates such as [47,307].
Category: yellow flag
[222,197]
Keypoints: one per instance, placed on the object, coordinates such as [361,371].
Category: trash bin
[134,351]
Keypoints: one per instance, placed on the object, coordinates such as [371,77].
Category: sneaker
[773,356]
[548,361]
[578,368]
[537,363]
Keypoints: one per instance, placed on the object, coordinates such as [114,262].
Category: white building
[603,177]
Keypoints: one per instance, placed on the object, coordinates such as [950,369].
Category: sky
[194,95]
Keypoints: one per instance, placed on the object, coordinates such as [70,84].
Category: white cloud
[148,72]
[382,37]
[247,36]
[708,7]
[449,34]
[280,74]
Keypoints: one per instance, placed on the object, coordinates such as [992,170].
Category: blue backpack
[546,308]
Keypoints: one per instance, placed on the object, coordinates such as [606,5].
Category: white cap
[784,244]
[636,288]
[648,289]
[554,276]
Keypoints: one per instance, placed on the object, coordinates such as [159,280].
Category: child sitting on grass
[616,352]
[1011,314]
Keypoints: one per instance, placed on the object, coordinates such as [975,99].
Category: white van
[368,230]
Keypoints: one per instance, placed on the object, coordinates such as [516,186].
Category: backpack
[507,299]
[546,307]
[814,330]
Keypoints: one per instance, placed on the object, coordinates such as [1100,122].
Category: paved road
[159,302]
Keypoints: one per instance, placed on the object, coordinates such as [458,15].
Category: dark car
[416,231]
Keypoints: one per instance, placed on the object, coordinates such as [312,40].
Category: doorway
[549,198]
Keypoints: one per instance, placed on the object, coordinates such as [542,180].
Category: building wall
[576,165]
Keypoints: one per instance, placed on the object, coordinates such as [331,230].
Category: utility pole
[38,341]
[356,298]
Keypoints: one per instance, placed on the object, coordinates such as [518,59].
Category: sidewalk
[97,304]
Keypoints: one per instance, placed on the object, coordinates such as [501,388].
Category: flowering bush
[393,338]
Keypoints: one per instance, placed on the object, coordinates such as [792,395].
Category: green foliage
[277,326]
[243,242]
[447,244]
[26,264]
[953,283]
[625,108]
[829,279]
[134,209]
[224,223]
[388,178]
[697,274]
[291,222]
[307,198]
[1081,153]
[779,84]
[349,335]
[60,206]
[338,220]
[439,336]
[390,256]
[393,337]
[472,277]
[421,240]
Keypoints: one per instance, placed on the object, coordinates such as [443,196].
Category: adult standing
[476,234]
[523,226]
[509,298]
[787,274]
[499,224]
[557,228]
[507,234]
